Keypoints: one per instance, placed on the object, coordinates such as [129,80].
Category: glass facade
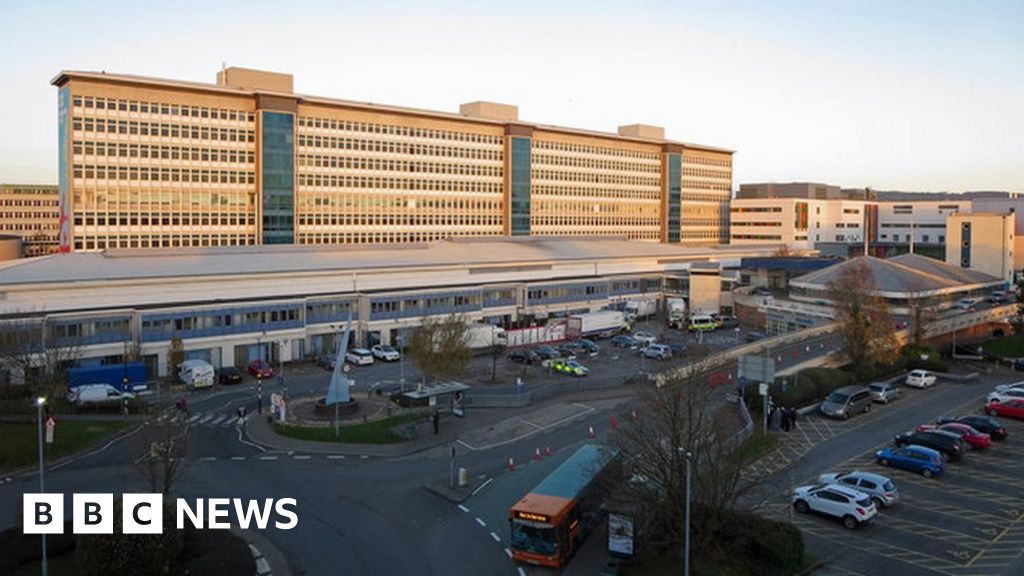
[674,192]
[520,186]
[63,110]
[278,176]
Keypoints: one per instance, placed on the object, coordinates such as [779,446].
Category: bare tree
[865,323]
[439,347]
[921,314]
[176,355]
[687,414]
[40,362]
[162,461]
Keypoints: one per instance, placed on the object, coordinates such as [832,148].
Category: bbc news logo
[142,513]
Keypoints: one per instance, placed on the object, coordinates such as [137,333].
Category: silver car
[659,351]
[882,490]
[884,392]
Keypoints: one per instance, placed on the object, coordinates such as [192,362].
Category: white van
[702,323]
[97,394]
[196,373]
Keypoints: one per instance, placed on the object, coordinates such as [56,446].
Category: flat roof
[499,251]
[64,75]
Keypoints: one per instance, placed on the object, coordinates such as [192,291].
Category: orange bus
[551,522]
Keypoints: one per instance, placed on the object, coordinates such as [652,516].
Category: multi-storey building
[982,241]
[799,223]
[158,163]
[31,212]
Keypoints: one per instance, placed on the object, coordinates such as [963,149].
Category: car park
[920,459]
[385,353]
[645,338]
[325,361]
[547,352]
[359,357]
[524,357]
[975,439]
[951,446]
[847,401]
[260,369]
[1010,409]
[568,366]
[625,341]
[884,392]
[920,379]
[882,490]
[229,375]
[981,423]
[851,506]
[1006,392]
[659,351]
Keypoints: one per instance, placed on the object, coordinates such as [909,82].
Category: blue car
[912,457]
[624,341]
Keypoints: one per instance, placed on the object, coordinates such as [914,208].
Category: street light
[40,402]
[686,547]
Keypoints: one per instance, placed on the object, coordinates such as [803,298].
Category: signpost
[50,425]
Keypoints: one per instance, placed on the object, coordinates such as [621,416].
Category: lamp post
[686,537]
[400,340]
[40,402]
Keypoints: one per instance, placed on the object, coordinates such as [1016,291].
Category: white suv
[359,356]
[385,352]
[1006,392]
[851,506]
[920,379]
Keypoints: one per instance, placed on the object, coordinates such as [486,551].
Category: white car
[1006,392]
[359,356]
[851,506]
[97,394]
[385,352]
[920,379]
[965,303]
[645,338]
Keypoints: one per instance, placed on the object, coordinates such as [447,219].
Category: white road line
[463,508]
[247,443]
[193,418]
[268,457]
[227,423]
[521,571]
[495,536]
[218,419]
[302,457]
[336,457]
[206,419]
[482,486]
[509,552]
[567,419]
[208,458]
[237,458]
[481,522]
[364,456]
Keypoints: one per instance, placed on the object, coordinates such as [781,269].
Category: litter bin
[463,477]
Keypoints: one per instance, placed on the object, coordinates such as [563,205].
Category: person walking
[775,419]
[785,419]
[792,418]
[435,419]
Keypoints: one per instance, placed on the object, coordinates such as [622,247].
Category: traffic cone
[634,414]
[536,455]
[590,432]
[511,464]
[614,423]
[547,451]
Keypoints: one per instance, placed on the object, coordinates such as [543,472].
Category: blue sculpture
[338,391]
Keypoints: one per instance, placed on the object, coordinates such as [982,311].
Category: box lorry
[485,338]
[133,374]
[636,309]
[600,324]
[677,313]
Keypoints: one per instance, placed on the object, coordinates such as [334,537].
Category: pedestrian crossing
[202,419]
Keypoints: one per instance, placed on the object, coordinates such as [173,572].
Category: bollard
[463,477]
[590,432]
[547,451]
[511,464]
[536,454]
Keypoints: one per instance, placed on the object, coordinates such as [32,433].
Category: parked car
[97,394]
[948,444]
[625,341]
[325,361]
[678,348]
[762,291]
[852,507]
[570,350]
[385,353]
[1010,409]
[568,366]
[546,352]
[985,424]
[524,357]
[975,439]
[920,459]
[847,401]
[260,369]
[920,379]
[882,490]
[884,392]
[590,346]
[229,375]
[726,322]
[997,297]
[755,336]
[645,338]
[659,351]
[965,303]
[1018,364]
[1006,392]
[359,357]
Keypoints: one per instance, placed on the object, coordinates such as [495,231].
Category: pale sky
[909,95]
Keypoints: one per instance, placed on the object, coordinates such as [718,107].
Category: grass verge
[1008,347]
[376,432]
[20,446]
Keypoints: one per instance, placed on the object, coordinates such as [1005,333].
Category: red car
[1013,408]
[260,369]
[977,440]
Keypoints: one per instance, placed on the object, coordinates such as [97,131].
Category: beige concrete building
[148,162]
[982,241]
[31,212]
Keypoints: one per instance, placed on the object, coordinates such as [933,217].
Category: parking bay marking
[875,546]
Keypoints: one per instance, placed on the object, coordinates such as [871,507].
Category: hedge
[119,553]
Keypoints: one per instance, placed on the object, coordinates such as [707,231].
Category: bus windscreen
[535,537]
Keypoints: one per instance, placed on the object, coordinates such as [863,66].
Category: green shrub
[811,385]
[130,554]
[17,549]
[746,543]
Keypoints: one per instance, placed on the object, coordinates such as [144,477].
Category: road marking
[247,443]
[463,508]
[567,419]
[336,457]
[218,419]
[509,552]
[495,536]
[192,419]
[237,458]
[482,486]
[364,456]
[521,571]
[481,522]
[302,457]
[205,419]
[268,457]
[208,458]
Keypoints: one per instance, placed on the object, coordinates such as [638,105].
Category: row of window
[540,189]
[27,203]
[756,237]
[163,240]
[184,111]
[598,163]
[541,175]
[157,174]
[769,224]
[161,129]
[29,215]
[597,150]
[403,184]
[386,236]
[392,130]
[185,219]
[725,162]
[402,166]
[754,209]
[402,148]
[155,151]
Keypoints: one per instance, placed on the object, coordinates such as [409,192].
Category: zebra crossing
[203,419]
